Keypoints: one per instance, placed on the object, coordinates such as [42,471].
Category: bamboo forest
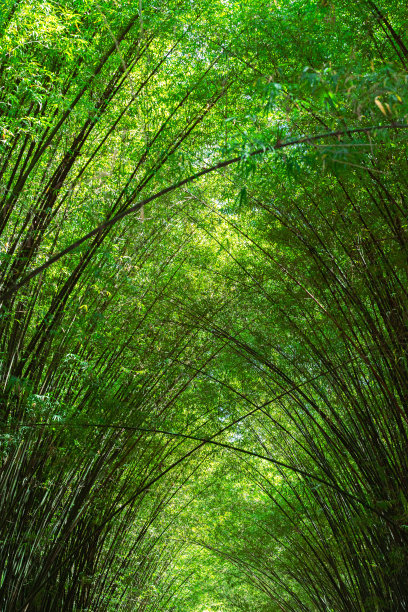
[203,306]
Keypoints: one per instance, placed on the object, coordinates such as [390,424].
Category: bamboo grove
[204,297]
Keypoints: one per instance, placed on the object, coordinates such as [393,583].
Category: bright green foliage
[203,248]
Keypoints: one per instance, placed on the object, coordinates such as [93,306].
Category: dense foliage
[204,298]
